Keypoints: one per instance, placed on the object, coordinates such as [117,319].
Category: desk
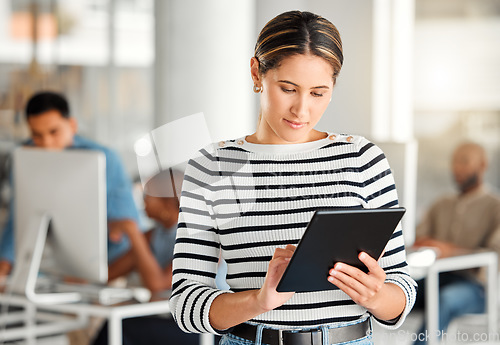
[35,323]
[83,311]
[463,260]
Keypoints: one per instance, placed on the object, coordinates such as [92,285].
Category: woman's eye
[315,94]
[287,90]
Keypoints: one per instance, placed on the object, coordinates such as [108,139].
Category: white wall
[457,69]
[202,62]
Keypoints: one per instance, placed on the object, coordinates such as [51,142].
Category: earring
[257,89]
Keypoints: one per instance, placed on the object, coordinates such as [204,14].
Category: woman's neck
[263,137]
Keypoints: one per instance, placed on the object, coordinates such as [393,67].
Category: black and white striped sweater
[242,200]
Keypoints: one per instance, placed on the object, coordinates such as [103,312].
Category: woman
[251,198]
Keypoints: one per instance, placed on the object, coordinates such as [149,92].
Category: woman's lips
[295,125]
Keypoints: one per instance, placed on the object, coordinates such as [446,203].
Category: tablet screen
[337,236]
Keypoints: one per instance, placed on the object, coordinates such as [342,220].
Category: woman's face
[295,95]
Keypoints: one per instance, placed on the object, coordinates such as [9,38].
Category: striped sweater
[242,200]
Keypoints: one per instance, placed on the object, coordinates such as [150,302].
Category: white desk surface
[125,309]
[464,259]
[114,313]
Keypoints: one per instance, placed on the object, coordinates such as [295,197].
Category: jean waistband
[309,337]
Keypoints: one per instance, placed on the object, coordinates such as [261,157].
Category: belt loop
[258,335]
[325,335]
[281,341]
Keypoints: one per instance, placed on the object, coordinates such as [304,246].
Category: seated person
[51,127]
[468,220]
[151,256]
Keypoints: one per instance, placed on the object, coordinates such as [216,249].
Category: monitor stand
[27,265]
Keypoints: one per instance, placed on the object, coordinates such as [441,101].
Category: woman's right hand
[267,297]
[230,309]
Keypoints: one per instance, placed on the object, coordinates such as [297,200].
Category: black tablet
[337,236]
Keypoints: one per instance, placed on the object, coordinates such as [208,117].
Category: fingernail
[338,266]
[330,279]
[362,255]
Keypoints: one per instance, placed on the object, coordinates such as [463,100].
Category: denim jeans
[229,339]
[151,330]
[458,295]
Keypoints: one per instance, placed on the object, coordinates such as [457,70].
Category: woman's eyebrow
[314,87]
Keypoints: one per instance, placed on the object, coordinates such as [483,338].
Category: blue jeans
[151,330]
[229,339]
[458,295]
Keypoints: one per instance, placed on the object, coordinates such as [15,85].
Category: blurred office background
[419,75]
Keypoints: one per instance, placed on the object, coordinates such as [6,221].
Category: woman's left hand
[362,287]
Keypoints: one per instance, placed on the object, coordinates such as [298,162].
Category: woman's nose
[300,107]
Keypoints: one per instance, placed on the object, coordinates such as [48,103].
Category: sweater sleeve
[197,249]
[493,240]
[380,191]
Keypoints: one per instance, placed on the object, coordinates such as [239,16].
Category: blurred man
[52,127]
[468,220]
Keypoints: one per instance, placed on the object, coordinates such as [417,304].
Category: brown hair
[297,32]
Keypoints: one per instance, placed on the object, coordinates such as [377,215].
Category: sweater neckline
[285,148]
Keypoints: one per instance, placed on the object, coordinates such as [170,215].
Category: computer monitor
[60,198]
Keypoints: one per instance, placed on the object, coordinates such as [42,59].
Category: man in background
[469,219]
[52,127]
[150,260]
